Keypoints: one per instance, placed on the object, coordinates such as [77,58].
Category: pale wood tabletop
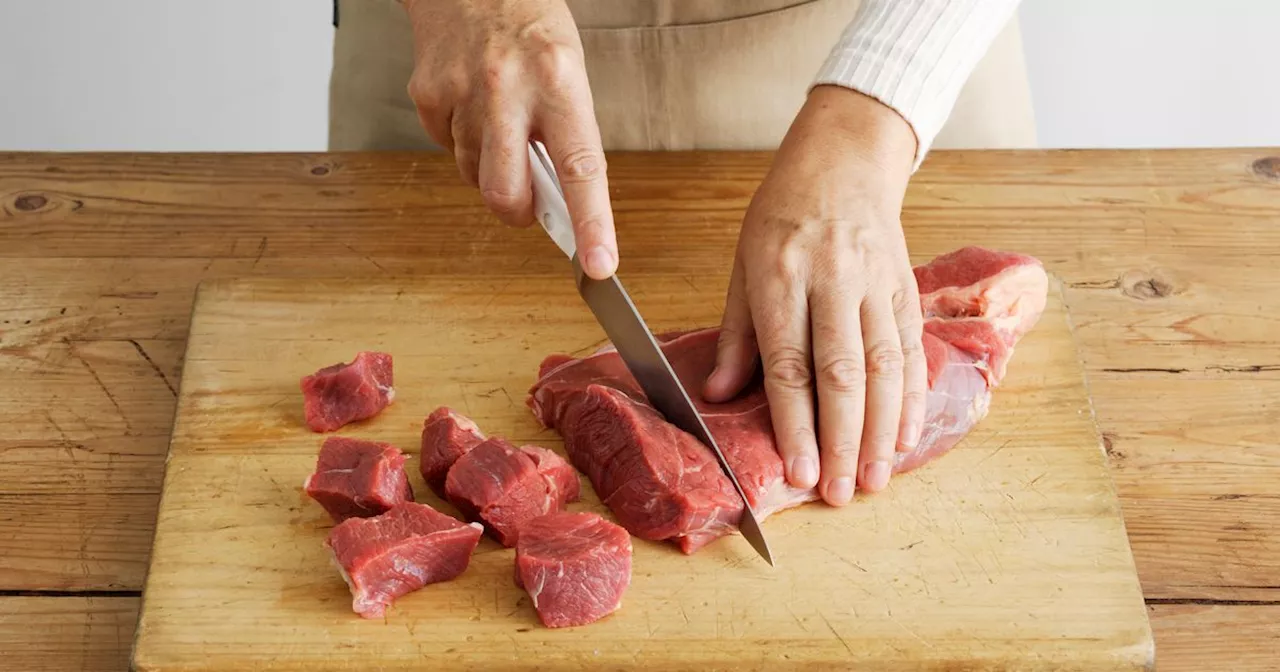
[1168,256]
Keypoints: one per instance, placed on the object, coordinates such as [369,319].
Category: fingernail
[804,472]
[912,439]
[599,262]
[709,386]
[877,475]
[840,491]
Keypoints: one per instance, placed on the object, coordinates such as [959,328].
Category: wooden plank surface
[89,634]
[1017,533]
[1168,257]
[1217,636]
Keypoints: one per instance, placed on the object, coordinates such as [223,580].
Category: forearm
[915,55]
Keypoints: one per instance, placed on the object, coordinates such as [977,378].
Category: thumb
[736,351]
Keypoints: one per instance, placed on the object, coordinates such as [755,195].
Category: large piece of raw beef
[663,484]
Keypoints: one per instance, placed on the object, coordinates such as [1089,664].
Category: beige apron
[670,75]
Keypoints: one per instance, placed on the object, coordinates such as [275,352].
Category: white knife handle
[549,207]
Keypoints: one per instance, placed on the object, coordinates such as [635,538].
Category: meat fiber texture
[506,487]
[398,552]
[340,394]
[663,484]
[574,566]
[446,436]
[358,478]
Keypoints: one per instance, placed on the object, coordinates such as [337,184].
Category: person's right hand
[490,75]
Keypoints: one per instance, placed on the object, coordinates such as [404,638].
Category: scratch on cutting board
[833,631]
[847,561]
[796,617]
[466,399]
[494,296]
[909,631]
[993,453]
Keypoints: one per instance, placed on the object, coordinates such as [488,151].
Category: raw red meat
[358,478]
[446,436]
[344,393]
[574,566]
[506,487]
[398,552]
[661,483]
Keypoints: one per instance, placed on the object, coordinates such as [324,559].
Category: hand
[491,74]
[823,289]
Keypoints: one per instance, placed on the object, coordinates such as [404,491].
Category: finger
[736,350]
[884,361]
[839,363]
[573,141]
[778,309]
[466,146]
[504,172]
[915,369]
[435,118]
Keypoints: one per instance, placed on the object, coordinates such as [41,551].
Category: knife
[630,335]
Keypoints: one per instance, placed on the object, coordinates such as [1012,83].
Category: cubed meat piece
[446,436]
[398,552]
[344,393]
[504,486]
[561,474]
[355,478]
[574,566]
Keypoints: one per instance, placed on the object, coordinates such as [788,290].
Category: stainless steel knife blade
[639,350]
[643,356]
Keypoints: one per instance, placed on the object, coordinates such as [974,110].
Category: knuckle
[590,228]
[914,358]
[733,334]
[914,398]
[912,345]
[802,440]
[501,199]
[884,359]
[789,263]
[906,303]
[843,450]
[843,375]
[559,65]
[423,94]
[881,443]
[789,368]
[583,164]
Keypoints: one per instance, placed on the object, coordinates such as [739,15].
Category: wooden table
[1169,256]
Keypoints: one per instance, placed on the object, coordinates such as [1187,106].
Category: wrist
[855,126]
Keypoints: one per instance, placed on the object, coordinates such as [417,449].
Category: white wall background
[252,75]
[1153,73]
[219,75]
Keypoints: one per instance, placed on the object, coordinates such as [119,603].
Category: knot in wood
[320,170]
[1108,444]
[1151,288]
[1268,168]
[1147,285]
[30,202]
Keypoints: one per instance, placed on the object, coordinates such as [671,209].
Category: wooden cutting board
[1007,553]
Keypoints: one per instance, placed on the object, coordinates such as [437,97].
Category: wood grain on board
[1009,551]
[1168,257]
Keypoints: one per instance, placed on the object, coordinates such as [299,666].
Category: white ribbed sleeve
[915,55]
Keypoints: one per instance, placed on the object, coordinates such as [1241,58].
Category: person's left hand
[823,289]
